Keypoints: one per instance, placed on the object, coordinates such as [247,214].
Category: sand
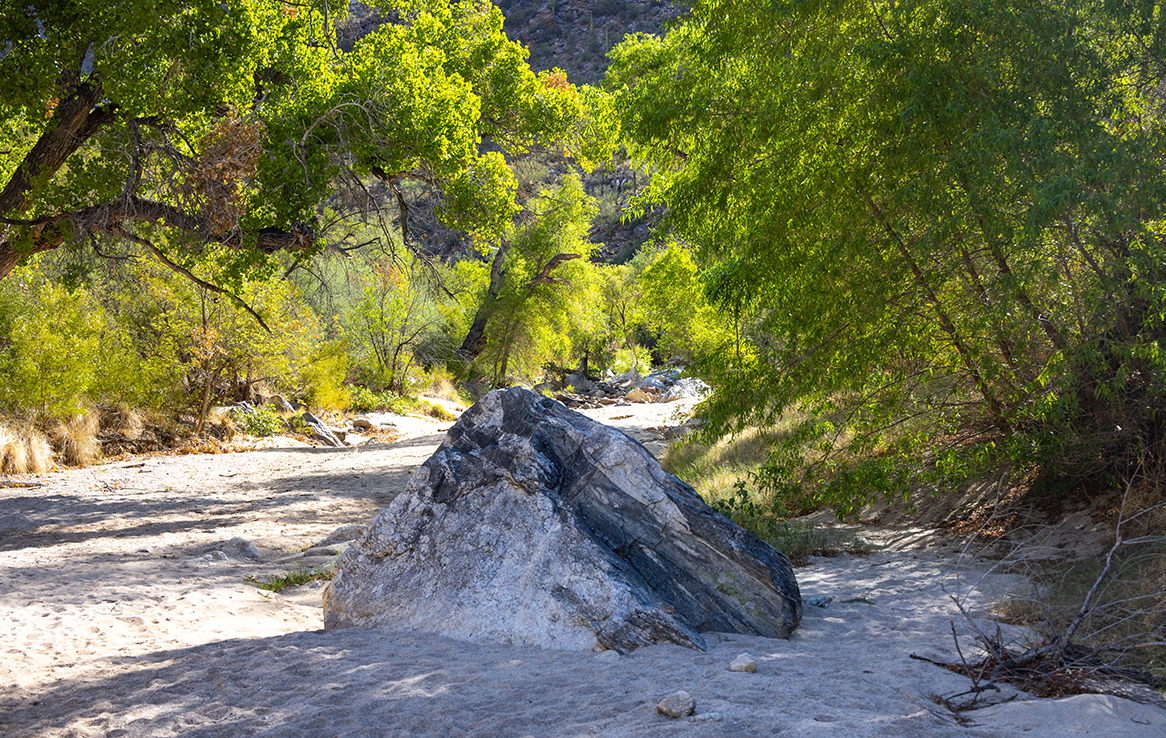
[125,614]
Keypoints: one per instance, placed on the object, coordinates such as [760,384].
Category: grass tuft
[76,439]
[293,577]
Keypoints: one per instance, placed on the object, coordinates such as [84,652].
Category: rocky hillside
[573,35]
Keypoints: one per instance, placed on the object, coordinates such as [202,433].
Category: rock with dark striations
[533,524]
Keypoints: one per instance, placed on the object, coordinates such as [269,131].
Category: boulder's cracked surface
[533,524]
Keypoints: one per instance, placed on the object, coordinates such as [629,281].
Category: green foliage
[547,302]
[260,421]
[796,539]
[215,345]
[365,400]
[293,577]
[675,304]
[59,350]
[930,220]
[322,378]
[388,326]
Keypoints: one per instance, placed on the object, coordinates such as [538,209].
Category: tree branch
[544,277]
[179,269]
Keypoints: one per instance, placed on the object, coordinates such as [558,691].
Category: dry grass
[76,439]
[714,470]
[23,450]
[122,420]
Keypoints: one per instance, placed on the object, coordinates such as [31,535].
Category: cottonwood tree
[541,291]
[231,122]
[926,209]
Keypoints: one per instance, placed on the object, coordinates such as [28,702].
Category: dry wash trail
[125,613]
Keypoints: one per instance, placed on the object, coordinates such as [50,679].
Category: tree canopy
[174,125]
[926,209]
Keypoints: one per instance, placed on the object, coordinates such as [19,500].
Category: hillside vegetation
[911,244]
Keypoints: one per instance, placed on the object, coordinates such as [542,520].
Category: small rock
[215,556]
[817,600]
[342,534]
[363,424]
[323,551]
[239,548]
[743,662]
[609,656]
[677,705]
[639,395]
[708,717]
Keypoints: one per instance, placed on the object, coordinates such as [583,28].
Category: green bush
[260,421]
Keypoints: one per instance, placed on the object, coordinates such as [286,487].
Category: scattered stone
[323,551]
[688,387]
[677,705]
[743,662]
[320,431]
[535,525]
[238,548]
[280,404]
[581,383]
[344,533]
[817,600]
[638,395]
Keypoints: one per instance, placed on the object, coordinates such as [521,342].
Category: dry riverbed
[126,613]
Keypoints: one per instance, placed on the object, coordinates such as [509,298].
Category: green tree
[542,297]
[388,325]
[922,209]
[674,300]
[231,122]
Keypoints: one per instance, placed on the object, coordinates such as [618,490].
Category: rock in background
[533,524]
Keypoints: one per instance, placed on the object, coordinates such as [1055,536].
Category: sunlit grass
[293,577]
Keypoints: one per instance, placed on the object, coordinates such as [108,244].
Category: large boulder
[533,524]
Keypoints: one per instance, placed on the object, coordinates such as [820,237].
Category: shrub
[260,421]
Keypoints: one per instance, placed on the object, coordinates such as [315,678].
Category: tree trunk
[475,342]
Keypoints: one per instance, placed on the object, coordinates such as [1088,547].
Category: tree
[540,287]
[390,320]
[231,122]
[925,209]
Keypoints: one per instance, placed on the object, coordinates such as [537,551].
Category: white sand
[118,622]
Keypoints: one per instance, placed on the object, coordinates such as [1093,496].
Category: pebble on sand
[743,662]
[676,705]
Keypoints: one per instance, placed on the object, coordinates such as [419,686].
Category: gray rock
[320,431]
[582,384]
[343,533]
[280,404]
[238,548]
[676,705]
[743,662]
[817,600]
[688,387]
[324,551]
[627,379]
[533,524]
